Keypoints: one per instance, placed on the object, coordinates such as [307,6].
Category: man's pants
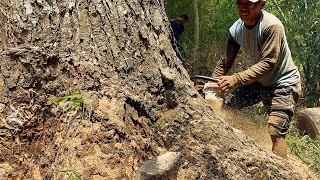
[278,101]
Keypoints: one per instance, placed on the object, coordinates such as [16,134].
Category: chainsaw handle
[213,79]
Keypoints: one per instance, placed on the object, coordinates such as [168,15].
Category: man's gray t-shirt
[267,46]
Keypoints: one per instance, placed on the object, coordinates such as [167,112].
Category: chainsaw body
[209,89]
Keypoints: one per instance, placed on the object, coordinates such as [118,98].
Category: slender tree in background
[196,29]
[279,10]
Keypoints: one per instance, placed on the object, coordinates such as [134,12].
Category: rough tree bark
[118,55]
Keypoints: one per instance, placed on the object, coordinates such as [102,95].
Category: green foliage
[307,149]
[90,113]
[302,24]
[254,110]
[216,16]
[72,101]
[71,174]
[75,100]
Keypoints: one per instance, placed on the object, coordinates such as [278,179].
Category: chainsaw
[205,84]
[209,89]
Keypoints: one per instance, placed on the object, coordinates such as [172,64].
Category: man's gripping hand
[226,83]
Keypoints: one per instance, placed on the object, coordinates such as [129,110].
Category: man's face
[249,11]
[184,21]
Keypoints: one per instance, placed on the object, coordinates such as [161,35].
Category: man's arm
[270,55]
[225,64]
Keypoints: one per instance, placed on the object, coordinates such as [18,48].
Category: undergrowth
[307,149]
[256,114]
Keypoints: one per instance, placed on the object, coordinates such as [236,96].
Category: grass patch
[73,101]
[307,149]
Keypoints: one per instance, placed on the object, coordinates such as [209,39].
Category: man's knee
[278,124]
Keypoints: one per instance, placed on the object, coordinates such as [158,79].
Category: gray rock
[161,167]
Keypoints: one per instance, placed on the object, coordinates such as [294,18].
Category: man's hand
[226,83]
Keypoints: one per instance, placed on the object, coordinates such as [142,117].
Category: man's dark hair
[185,16]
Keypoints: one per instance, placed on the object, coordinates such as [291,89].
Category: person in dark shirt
[178,28]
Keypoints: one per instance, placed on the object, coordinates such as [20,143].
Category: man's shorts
[278,101]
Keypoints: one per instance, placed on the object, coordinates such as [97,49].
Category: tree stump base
[308,122]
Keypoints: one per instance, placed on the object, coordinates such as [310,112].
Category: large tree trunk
[118,55]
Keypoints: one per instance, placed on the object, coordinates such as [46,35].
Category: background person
[178,28]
